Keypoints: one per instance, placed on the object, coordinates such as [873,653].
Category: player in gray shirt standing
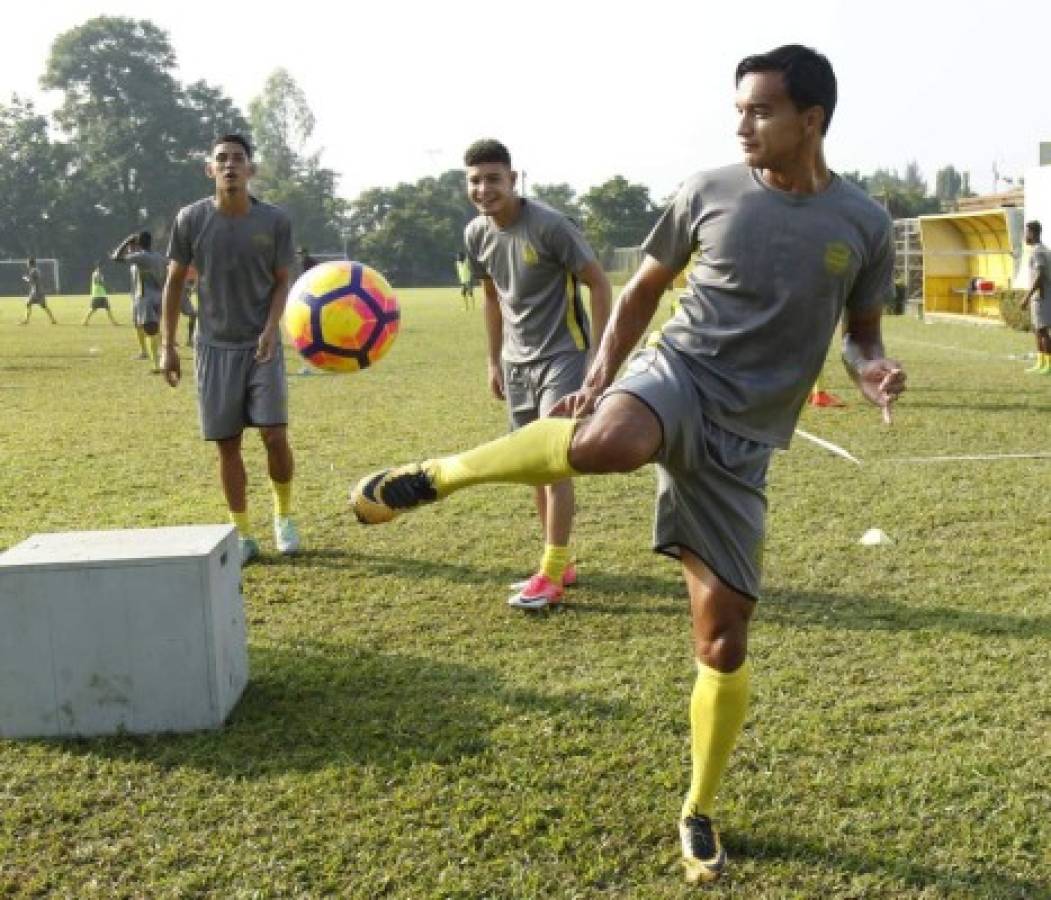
[1038,299]
[531,260]
[242,251]
[36,292]
[147,279]
[784,246]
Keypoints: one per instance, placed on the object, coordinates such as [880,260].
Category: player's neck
[510,213]
[806,176]
[233,203]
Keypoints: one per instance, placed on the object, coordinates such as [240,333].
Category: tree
[122,115]
[617,213]
[282,124]
[948,186]
[561,197]
[31,168]
[411,232]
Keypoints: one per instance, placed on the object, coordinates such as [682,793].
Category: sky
[581,91]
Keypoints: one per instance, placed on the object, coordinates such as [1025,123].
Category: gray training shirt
[235,258]
[534,264]
[148,269]
[773,274]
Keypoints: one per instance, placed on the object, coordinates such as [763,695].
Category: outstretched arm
[880,380]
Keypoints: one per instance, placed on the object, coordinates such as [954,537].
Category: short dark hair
[145,240]
[486,150]
[1034,226]
[808,76]
[234,138]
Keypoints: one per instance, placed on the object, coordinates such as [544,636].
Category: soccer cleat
[825,399]
[539,591]
[702,851]
[249,549]
[569,578]
[286,535]
[383,495]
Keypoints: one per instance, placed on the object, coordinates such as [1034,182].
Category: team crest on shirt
[529,256]
[837,257]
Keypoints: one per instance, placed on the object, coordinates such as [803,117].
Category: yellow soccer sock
[282,497]
[240,522]
[1044,360]
[154,350]
[717,710]
[537,454]
[554,562]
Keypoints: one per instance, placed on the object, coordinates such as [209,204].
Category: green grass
[405,734]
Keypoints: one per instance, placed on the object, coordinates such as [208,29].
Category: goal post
[13,270]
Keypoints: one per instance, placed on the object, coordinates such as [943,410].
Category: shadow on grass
[796,608]
[841,859]
[639,594]
[592,581]
[321,705]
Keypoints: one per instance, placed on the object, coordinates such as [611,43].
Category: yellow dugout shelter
[963,248]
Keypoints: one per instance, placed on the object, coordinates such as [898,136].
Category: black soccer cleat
[702,851]
[384,495]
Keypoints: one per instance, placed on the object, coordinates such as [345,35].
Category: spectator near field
[466,279]
[242,251]
[784,245]
[1039,297]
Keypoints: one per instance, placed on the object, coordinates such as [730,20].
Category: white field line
[829,446]
[973,457]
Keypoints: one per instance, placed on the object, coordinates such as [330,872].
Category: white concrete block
[138,631]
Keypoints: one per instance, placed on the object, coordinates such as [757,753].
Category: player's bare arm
[601,300]
[494,331]
[269,337]
[170,305]
[880,380]
[631,316]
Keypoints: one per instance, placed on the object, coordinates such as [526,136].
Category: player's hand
[496,382]
[170,366]
[267,346]
[576,405]
[882,381]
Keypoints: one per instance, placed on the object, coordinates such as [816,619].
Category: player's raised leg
[622,436]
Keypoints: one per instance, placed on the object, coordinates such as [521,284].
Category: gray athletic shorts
[37,301]
[234,392]
[532,389]
[1040,313]
[146,310]
[710,481]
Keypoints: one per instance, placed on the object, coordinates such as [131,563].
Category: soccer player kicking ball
[784,245]
[242,250]
[531,260]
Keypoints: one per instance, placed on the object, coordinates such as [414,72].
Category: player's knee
[273,438]
[722,648]
[604,447]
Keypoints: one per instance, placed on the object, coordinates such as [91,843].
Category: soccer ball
[342,316]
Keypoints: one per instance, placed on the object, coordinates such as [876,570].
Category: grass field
[405,734]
